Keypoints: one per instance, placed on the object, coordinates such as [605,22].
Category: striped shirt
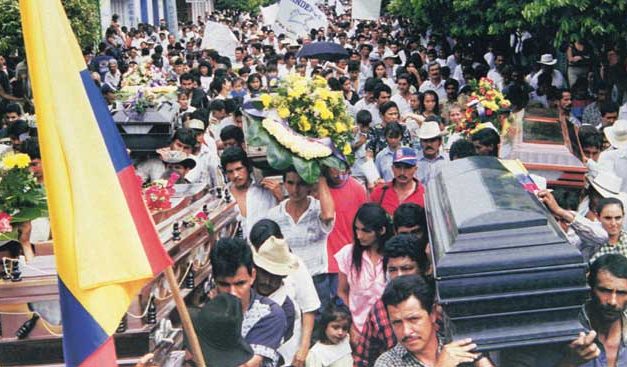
[307,237]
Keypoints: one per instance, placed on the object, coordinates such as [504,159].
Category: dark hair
[452,82]
[375,66]
[381,87]
[461,148]
[217,84]
[262,230]
[386,106]
[217,105]
[421,97]
[232,132]
[407,245]
[334,311]
[364,117]
[615,264]
[30,147]
[488,137]
[187,76]
[228,255]
[251,78]
[402,288]
[371,84]
[589,136]
[394,129]
[374,218]
[235,154]
[608,107]
[185,136]
[410,215]
[609,201]
[13,107]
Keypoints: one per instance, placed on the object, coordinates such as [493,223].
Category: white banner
[269,13]
[366,9]
[220,38]
[298,17]
[339,8]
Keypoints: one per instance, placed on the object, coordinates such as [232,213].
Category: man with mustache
[431,158]
[409,302]
[604,315]
[404,188]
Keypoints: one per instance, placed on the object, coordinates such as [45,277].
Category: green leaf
[309,171]
[256,135]
[27,214]
[333,162]
[279,158]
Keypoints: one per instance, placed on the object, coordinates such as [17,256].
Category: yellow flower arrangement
[19,160]
[266,99]
[311,109]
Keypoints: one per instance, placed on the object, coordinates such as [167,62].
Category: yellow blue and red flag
[105,242]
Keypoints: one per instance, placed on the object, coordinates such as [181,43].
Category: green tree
[251,6]
[597,21]
[84,19]
[562,20]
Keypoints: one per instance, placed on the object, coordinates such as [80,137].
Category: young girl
[332,348]
[361,279]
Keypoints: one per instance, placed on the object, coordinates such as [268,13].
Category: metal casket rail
[505,274]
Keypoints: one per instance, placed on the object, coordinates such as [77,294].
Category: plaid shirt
[398,357]
[619,248]
[376,337]
[376,139]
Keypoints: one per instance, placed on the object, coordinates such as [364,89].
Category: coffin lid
[477,209]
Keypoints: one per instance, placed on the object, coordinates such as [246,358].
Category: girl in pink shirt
[361,278]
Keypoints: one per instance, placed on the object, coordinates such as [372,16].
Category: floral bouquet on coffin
[485,106]
[145,74]
[137,99]
[158,195]
[22,198]
[303,124]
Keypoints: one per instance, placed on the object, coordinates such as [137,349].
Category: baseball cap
[405,155]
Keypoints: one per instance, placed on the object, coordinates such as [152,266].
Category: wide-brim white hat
[274,256]
[429,130]
[617,134]
[547,59]
[607,184]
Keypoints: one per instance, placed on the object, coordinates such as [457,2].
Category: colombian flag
[105,243]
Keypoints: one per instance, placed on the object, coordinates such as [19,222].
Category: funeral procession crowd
[339,272]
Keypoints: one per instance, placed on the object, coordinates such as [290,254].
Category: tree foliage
[83,15]
[560,20]
[251,6]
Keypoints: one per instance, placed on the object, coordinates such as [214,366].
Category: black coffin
[505,274]
[144,133]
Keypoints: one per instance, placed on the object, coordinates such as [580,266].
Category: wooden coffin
[188,245]
[550,148]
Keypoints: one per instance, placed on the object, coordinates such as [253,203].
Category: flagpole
[186,321]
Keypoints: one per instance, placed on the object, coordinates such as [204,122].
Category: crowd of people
[338,273]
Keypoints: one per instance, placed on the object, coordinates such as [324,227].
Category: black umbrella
[324,50]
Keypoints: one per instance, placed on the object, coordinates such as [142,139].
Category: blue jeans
[326,287]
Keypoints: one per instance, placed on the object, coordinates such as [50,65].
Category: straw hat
[607,184]
[429,130]
[617,134]
[547,59]
[274,256]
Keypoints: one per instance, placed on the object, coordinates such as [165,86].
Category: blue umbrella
[329,51]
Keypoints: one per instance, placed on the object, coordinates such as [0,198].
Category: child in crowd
[332,348]
[364,169]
